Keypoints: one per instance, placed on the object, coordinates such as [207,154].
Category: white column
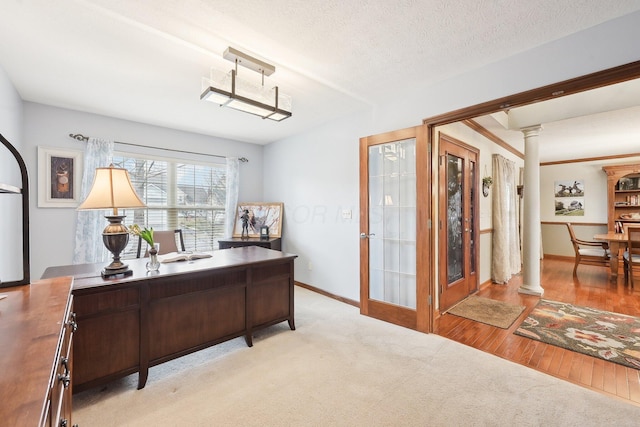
[531,223]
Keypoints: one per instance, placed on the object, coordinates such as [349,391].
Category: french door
[395,211]
[458,223]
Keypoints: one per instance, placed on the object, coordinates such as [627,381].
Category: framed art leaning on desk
[259,215]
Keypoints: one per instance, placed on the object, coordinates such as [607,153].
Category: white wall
[53,229]
[320,166]
[555,237]
[316,177]
[10,205]
[595,190]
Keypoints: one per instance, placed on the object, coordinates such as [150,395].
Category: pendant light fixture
[228,90]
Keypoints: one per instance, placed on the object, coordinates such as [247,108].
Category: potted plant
[486,183]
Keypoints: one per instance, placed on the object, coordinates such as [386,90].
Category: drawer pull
[65,362]
[64,423]
[65,380]
[73,323]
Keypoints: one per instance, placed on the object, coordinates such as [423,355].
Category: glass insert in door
[392,223]
[455,215]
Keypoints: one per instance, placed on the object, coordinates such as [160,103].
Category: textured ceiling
[143,60]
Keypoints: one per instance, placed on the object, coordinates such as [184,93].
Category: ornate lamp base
[115,237]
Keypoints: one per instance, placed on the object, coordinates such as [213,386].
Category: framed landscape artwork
[259,214]
[59,175]
[569,198]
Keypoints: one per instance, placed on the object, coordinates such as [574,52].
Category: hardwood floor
[591,288]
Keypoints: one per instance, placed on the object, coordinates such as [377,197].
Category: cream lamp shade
[111,189]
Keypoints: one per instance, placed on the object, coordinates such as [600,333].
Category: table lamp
[112,189]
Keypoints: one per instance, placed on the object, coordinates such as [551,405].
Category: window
[179,195]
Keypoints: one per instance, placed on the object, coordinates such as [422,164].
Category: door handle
[366,236]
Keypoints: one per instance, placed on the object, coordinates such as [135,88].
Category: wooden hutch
[623,194]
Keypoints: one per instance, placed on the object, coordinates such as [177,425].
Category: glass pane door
[459,226]
[392,223]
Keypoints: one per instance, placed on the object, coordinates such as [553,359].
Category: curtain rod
[81,137]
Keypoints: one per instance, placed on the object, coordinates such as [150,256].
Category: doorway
[584,83]
[458,221]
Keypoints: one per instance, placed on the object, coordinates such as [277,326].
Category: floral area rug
[610,336]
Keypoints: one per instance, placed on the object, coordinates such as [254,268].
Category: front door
[458,224]
[395,227]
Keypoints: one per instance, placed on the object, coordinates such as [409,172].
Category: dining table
[617,241]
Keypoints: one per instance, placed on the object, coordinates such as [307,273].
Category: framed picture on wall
[59,177]
[569,197]
[258,215]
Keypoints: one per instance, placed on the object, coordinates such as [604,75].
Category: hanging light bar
[226,89]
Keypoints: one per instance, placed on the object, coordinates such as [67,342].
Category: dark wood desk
[274,243]
[126,325]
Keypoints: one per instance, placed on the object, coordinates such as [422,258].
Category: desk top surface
[250,239]
[89,275]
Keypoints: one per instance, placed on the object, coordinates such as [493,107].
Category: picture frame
[569,197]
[260,214]
[59,177]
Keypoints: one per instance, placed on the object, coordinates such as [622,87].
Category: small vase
[153,264]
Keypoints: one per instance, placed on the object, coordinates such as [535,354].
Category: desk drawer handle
[65,362]
[65,380]
[73,323]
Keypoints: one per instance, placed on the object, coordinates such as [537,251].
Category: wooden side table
[274,243]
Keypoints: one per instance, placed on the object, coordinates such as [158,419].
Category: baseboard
[327,294]
[484,285]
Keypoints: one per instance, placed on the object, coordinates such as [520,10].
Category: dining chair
[168,240]
[589,252]
[631,255]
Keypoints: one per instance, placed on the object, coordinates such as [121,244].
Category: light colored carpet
[489,311]
[343,369]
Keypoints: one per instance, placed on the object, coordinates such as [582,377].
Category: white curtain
[231,202]
[89,247]
[506,260]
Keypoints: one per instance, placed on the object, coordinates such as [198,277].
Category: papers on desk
[182,256]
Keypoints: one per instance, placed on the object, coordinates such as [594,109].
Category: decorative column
[531,224]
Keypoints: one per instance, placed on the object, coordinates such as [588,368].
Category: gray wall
[53,229]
